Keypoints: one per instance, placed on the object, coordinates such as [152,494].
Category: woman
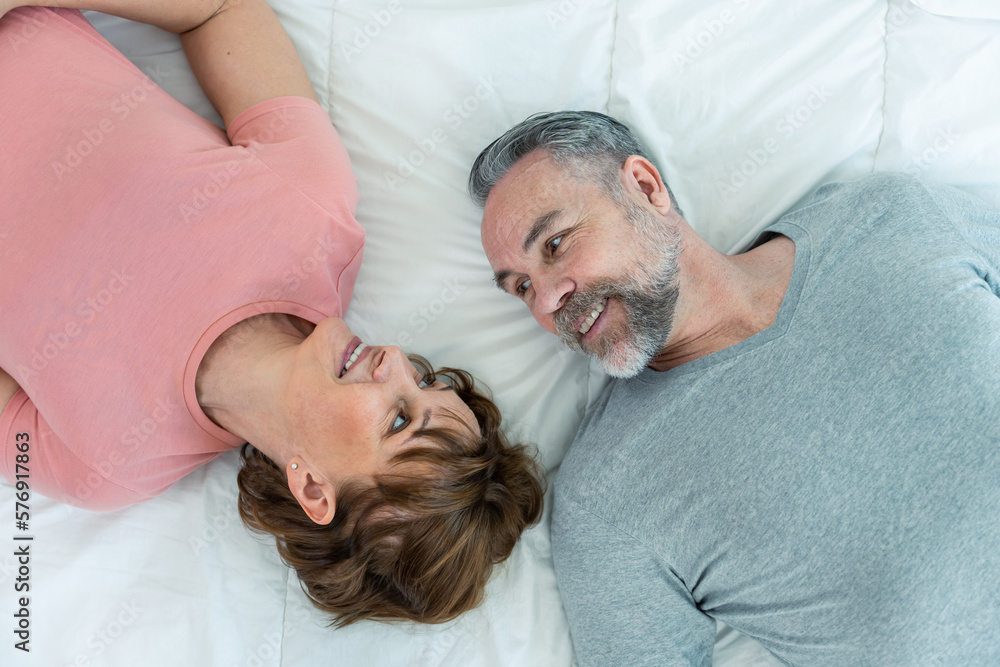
[172,291]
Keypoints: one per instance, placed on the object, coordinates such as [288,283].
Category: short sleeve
[293,136]
[977,222]
[50,467]
[624,606]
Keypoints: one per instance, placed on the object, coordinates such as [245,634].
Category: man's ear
[315,495]
[640,176]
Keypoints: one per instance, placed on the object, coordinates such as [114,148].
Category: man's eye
[554,244]
[400,422]
[523,286]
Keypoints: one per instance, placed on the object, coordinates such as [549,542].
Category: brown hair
[407,545]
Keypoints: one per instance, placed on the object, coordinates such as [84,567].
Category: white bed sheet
[748,106]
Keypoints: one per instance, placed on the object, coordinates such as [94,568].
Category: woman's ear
[315,495]
[640,176]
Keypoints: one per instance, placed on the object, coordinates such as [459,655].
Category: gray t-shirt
[829,486]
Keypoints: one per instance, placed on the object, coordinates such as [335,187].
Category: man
[804,442]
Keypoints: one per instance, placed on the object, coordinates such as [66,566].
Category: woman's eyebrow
[423,425]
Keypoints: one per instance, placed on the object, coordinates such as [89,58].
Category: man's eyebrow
[500,278]
[540,226]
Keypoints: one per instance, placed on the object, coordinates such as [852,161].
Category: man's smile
[592,318]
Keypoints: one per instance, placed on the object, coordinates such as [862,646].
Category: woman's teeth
[354,355]
[594,314]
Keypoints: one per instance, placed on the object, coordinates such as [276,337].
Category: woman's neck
[239,380]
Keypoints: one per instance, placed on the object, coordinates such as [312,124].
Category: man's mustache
[579,305]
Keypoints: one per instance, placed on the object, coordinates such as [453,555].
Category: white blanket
[747,106]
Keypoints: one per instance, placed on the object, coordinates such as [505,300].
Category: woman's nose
[390,365]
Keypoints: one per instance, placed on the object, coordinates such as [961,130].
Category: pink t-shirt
[133,233]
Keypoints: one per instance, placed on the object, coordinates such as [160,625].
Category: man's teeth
[354,356]
[594,314]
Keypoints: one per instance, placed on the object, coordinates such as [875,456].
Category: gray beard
[624,349]
[648,296]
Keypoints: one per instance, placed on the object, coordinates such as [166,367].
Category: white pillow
[941,99]
[749,106]
[416,94]
[977,9]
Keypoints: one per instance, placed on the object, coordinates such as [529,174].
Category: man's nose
[551,293]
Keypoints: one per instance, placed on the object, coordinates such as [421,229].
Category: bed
[746,106]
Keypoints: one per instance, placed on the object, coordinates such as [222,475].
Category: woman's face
[347,419]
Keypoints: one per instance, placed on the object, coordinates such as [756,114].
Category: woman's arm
[8,385]
[238,49]
[242,55]
[170,15]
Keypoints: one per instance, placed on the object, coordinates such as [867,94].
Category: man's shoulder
[844,211]
[591,479]
[609,438]
[870,195]
[872,186]
[606,407]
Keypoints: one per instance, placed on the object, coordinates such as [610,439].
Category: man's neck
[726,299]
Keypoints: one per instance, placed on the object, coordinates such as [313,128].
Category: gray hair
[588,144]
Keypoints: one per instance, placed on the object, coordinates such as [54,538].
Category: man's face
[600,276]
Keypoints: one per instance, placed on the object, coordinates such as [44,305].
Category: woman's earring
[295,466]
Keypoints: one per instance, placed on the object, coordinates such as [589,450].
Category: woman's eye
[425,382]
[554,244]
[523,286]
[400,422]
